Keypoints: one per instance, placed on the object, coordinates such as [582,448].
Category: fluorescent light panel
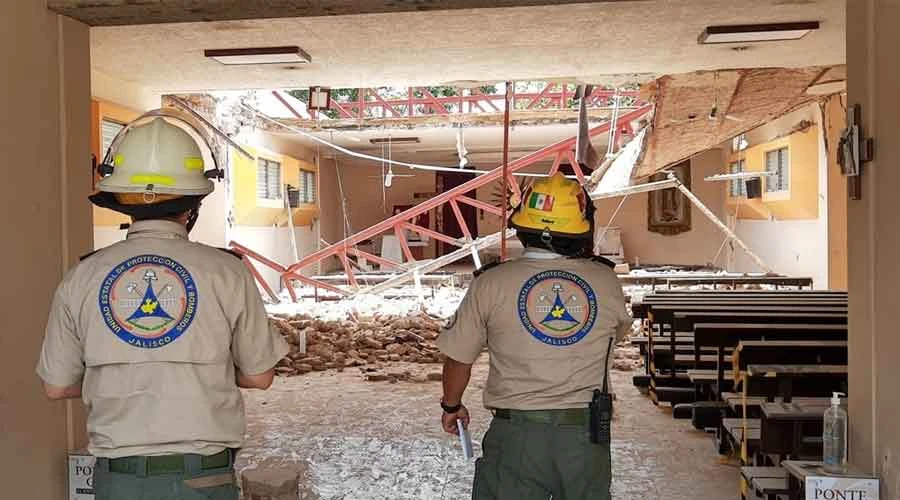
[394,140]
[259,55]
[757,32]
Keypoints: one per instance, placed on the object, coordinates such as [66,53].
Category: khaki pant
[526,460]
[211,484]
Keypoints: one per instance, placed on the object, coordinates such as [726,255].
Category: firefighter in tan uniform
[157,333]
[548,320]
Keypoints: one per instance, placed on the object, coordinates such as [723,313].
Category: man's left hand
[448,420]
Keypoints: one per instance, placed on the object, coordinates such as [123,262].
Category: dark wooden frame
[656,219]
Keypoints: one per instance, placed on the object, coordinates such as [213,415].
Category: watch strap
[451,408]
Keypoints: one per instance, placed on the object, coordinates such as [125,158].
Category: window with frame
[268,180]
[307,187]
[779,169]
[109,129]
[737,187]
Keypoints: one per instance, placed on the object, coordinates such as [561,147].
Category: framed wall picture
[669,211]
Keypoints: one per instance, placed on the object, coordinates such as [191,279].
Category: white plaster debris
[439,302]
[382,460]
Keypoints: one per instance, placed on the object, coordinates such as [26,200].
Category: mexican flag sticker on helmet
[540,201]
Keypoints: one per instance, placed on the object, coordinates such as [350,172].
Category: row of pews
[754,368]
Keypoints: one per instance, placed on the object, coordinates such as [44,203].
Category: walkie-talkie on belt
[601,407]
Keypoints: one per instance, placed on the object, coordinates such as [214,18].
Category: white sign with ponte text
[81,477]
[841,488]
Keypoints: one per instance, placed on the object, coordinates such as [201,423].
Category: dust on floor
[379,441]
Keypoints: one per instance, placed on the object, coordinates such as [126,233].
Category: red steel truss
[419,101]
[405,221]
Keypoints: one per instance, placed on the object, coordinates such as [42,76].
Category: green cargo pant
[526,459]
[194,482]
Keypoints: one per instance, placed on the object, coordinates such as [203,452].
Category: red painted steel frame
[404,221]
[547,98]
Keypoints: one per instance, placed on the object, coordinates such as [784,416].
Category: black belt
[168,464]
[568,416]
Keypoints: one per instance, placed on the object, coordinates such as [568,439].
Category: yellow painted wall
[802,202]
[250,211]
[835,122]
[101,110]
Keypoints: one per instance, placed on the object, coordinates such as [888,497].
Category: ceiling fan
[496,196]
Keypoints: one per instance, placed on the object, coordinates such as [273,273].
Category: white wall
[210,227]
[275,244]
[793,247]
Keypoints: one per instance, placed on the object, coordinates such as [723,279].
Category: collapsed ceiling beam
[640,188]
[673,182]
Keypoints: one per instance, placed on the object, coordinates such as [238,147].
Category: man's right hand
[448,420]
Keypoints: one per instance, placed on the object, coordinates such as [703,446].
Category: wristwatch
[451,408]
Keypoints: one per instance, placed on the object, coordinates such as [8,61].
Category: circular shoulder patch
[148,301]
[557,307]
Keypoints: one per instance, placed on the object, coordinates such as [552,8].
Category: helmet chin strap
[547,239]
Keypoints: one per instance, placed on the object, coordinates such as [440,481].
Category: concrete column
[45,220]
[874,244]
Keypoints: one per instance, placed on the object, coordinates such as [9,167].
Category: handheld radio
[601,407]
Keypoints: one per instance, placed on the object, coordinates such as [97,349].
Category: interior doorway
[447,223]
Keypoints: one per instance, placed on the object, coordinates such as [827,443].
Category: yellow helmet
[554,205]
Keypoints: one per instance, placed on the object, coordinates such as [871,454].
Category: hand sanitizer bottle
[834,437]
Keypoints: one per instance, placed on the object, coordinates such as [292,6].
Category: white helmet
[160,153]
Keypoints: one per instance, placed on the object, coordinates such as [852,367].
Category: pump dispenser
[834,437]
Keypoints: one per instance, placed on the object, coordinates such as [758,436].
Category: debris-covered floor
[354,439]
[361,422]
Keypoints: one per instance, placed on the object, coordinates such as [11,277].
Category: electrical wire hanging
[355,154]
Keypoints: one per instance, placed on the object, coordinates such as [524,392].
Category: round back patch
[557,307]
[148,301]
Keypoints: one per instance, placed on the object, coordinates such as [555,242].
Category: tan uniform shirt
[153,327]
[546,321]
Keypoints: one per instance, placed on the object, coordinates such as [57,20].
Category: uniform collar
[540,254]
[157,229]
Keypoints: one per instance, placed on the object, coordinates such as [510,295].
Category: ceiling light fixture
[259,55]
[757,32]
[394,140]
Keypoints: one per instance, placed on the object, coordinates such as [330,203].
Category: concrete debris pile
[627,356]
[318,345]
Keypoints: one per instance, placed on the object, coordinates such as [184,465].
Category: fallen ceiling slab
[698,111]
[128,12]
